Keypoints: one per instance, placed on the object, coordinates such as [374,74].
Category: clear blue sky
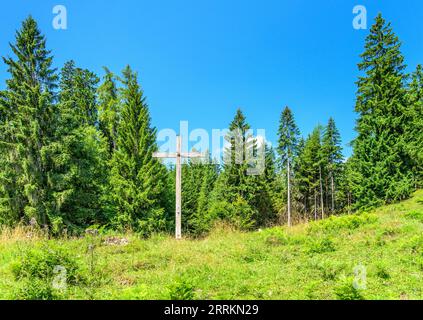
[200,60]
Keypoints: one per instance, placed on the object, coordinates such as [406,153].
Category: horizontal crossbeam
[164,155]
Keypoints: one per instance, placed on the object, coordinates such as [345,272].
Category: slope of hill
[374,255]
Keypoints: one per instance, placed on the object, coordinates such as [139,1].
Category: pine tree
[332,155]
[287,148]
[379,154]
[137,179]
[29,126]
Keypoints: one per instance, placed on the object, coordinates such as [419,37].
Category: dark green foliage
[109,109]
[380,156]
[242,185]
[287,147]
[74,154]
[199,177]
[414,131]
[137,179]
[79,154]
[28,127]
[332,160]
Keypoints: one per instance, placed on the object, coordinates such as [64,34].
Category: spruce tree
[414,130]
[78,155]
[287,148]
[332,155]
[28,126]
[237,192]
[137,179]
[380,155]
[109,109]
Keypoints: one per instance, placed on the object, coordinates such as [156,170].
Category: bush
[320,246]
[274,237]
[382,271]
[182,289]
[239,213]
[40,263]
[328,269]
[416,215]
[35,289]
[345,290]
[333,223]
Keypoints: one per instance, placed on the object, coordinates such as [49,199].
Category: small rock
[116,241]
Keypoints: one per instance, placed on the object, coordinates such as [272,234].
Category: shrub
[320,246]
[40,263]
[345,290]
[328,269]
[274,237]
[182,289]
[382,271]
[416,215]
[239,213]
[333,223]
[415,244]
[35,289]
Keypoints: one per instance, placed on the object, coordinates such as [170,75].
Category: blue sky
[201,60]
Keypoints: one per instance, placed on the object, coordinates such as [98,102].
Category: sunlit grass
[308,261]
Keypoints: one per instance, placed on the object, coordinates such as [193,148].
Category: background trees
[287,148]
[75,152]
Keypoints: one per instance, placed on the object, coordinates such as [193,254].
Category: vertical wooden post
[178,155]
[178,232]
[289,195]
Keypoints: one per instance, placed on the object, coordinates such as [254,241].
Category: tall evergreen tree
[332,154]
[109,109]
[78,154]
[239,191]
[379,154]
[414,131]
[137,179]
[287,148]
[29,125]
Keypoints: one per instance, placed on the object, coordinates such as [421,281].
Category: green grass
[318,260]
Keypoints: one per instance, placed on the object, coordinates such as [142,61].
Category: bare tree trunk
[289,195]
[315,204]
[321,192]
[333,191]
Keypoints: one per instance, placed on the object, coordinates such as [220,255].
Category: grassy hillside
[313,261]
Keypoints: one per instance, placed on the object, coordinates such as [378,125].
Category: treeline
[76,151]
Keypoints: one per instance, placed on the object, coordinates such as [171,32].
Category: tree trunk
[333,191]
[315,204]
[289,195]
[321,192]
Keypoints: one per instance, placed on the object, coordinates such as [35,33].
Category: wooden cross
[178,155]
